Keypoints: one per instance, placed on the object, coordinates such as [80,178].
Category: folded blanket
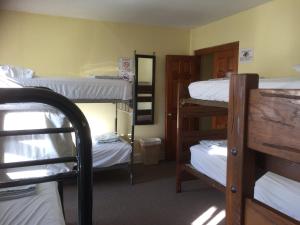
[17,192]
[16,72]
[107,138]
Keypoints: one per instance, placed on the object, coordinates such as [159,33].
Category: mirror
[145,87]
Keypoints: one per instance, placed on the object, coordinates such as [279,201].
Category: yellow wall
[272,30]
[58,46]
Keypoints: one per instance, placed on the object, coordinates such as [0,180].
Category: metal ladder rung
[37,162]
[36,131]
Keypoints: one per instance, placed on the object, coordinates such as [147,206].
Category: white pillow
[16,72]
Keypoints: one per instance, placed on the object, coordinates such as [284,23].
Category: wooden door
[178,69]
[225,63]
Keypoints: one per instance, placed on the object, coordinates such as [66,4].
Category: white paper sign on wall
[246,55]
[126,68]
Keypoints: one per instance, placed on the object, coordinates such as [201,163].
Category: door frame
[205,51]
[168,154]
[219,48]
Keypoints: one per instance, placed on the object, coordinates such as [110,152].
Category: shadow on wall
[104,67]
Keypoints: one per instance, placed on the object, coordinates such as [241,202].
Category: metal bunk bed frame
[80,127]
[131,104]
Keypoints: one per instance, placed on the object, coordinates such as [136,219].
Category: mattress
[84,89]
[280,193]
[44,207]
[218,89]
[109,154]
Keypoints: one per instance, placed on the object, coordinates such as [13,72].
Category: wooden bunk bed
[189,132]
[263,128]
[82,158]
[97,90]
[241,173]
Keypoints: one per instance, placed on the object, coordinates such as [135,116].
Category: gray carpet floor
[151,201]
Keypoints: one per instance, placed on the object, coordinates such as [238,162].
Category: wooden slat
[274,123]
[144,112]
[144,99]
[240,166]
[257,213]
[190,169]
[201,135]
[197,111]
[204,102]
[144,89]
[279,166]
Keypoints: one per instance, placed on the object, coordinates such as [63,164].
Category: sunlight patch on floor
[217,219]
[209,218]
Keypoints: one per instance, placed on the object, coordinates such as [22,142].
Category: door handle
[169,114]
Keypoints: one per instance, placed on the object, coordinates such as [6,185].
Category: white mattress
[44,207]
[109,154]
[280,193]
[82,89]
[218,90]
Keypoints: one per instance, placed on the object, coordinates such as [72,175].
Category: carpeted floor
[151,201]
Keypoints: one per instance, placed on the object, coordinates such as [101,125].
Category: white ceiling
[177,13]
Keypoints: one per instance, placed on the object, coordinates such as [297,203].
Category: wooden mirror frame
[144,89]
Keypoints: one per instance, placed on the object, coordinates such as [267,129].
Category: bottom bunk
[112,152]
[209,158]
[32,204]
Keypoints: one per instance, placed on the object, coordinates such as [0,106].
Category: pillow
[16,72]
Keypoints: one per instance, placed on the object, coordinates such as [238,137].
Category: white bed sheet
[84,88]
[218,90]
[280,193]
[109,154]
[44,207]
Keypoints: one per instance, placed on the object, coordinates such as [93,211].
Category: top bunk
[90,89]
[84,90]
[215,92]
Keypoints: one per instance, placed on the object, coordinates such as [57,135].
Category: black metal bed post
[83,140]
[116,119]
[132,138]
[132,154]
[84,180]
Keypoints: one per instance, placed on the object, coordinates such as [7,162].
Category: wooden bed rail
[263,135]
[274,123]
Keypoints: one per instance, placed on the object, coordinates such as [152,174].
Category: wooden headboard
[263,135]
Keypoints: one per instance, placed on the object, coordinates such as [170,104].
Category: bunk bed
[190,115]
[98,89]
[31,188]
[263,143]
[208,159]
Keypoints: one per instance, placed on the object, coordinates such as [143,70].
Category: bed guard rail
[83,157]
